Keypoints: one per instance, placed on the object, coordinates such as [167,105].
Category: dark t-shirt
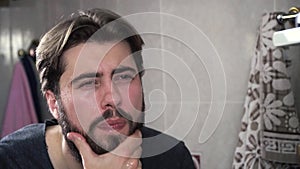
[27,149]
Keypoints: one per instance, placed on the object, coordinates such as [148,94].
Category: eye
[89,83]
[123,78]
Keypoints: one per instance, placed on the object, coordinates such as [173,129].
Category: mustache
[109,114]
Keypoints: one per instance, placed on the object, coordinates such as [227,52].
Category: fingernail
[72,137]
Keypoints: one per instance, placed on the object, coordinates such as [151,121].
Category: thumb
[85,151]
[130,147]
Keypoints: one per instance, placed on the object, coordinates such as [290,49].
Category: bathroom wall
[197,58]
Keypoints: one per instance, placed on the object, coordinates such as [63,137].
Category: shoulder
[163,151]
[25,146]
[29,135]
[25,133]
[164,142]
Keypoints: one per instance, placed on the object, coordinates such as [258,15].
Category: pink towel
[20,109]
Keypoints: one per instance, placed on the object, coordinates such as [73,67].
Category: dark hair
[79,29]
[34,43]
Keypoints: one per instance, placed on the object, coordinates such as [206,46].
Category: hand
[125,156]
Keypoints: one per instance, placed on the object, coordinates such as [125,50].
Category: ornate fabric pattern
[270,131]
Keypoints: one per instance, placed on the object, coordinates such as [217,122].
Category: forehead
[97,55]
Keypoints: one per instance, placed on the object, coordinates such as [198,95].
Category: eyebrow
[84,76]
[97,75]
[123,69]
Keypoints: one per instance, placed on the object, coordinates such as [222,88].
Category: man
[90,68]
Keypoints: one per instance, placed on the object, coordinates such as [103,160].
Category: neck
[59,151]
[71,162]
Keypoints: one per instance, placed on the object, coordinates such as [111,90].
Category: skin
[85,98]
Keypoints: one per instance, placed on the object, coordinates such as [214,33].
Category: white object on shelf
[287,37]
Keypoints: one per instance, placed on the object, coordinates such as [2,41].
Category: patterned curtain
[270,132]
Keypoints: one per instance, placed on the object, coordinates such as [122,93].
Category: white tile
[107,4]
[137,6]
[221,145]
[231,27]
[185,119]
[60,9]
[155,116]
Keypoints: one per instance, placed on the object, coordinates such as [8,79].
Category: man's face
[100,94]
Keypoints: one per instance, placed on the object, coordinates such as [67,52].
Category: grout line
[162,47]
[194,102]
[80,4]
[10,36]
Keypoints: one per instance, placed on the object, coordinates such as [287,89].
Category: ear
[52,103]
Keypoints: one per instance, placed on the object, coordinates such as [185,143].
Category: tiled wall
[197,56]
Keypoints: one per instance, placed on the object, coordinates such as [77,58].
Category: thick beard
[114,140]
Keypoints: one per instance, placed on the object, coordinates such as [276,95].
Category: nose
[111,98]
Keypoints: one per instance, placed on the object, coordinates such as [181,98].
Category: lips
[113,124]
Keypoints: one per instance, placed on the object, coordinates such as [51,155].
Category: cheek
[135,94]
[79,109]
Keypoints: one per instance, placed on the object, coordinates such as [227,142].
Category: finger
[137,153]
[129,146]
[140,165]
[81,144]
[131,164]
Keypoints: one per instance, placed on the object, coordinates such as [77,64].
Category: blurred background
[197,57]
